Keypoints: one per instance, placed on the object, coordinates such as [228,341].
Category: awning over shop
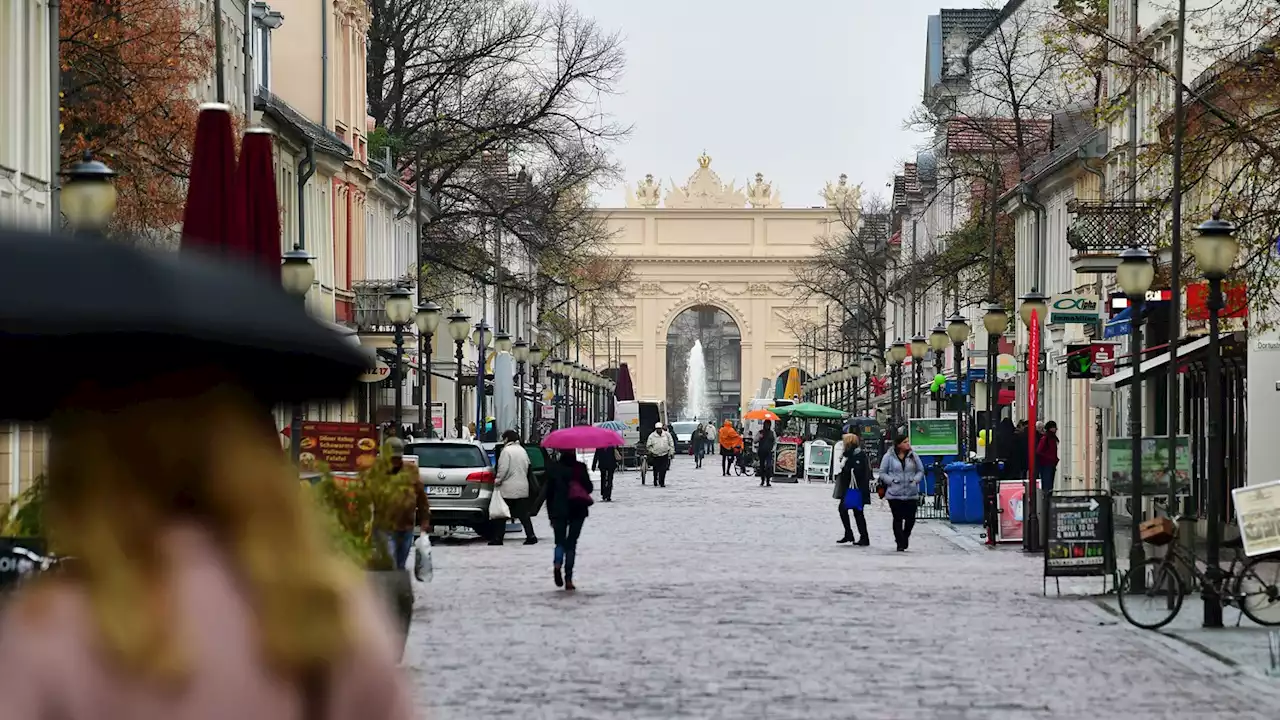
[1122,377]
[1118,326]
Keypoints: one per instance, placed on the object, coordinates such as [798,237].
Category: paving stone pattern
[714,598]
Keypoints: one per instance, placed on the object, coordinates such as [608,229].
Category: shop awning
[1118,326]
[1122,377]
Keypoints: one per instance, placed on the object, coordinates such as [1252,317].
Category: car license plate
[445,490]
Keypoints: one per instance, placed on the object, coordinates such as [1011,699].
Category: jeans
[401,544]
[606,483]
[1046,474]
[904,519]
[766,471]
[699,452]
[566,532]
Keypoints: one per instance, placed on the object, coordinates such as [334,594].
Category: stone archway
[714,330]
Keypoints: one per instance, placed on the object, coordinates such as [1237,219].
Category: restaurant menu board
[786,452]
[343,446]
[1258,510]
[1078,537]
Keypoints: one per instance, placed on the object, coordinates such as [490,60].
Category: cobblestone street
[714,598]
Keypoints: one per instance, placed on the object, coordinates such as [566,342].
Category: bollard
[1273,639]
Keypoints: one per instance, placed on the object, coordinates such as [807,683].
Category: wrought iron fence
[1104,228]
[371,304]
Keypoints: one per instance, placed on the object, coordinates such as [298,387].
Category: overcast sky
[800,90]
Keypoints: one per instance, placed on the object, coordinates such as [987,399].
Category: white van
[639,416]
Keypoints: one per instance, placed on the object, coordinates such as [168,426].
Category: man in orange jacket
[730,443]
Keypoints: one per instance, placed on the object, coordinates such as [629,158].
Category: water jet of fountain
[696,384]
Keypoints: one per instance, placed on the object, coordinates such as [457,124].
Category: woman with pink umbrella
[569,491]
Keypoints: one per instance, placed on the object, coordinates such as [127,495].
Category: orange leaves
[131,70]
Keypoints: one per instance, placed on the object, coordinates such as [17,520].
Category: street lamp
[1215,250]
[296,275]
[520,351]
[501,341]
[897,354]
[428,320]
[556,367]
[400,311]
[958,330]
[854,373]
[1134,275]
[88,196]
[536,357]
[1032,311]
[868,365]
[919,348]
[939,340]
[459,328]
[482,338]
[995,320]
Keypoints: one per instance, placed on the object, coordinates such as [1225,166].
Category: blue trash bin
[964,493]
[929,485]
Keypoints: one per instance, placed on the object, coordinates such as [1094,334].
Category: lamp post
[482,337]
[428,319]
[1215,249]
[995,320]
[939,340]
[399,307]
[459,328]
[554,367]
[88,196]
[1134,276]
[297,273]
[899,352]
[853,372]
[1032,311]
[536,356]
[919,348]
[958,330]
[520,351]
[868,365]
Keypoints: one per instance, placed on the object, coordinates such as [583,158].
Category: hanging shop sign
[1079,539]
[1006,367]
[379,372]
[1072,308]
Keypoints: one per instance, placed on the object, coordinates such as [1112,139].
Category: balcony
[371,306]
[1101,230]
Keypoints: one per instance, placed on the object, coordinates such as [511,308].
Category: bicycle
[1240,585]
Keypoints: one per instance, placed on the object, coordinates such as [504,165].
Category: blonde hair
[122,474]
[850,439]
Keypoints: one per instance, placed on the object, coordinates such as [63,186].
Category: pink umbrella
[582,437]
[624,390]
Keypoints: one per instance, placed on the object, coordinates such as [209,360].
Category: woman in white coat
[513,482]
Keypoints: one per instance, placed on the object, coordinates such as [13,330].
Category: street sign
[976,374]
[954,387]
[1258,510]
[1079,539]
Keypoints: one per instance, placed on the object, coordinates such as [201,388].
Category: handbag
[578,494]
[853,499]
[880,490]
[498,509]
[423,569]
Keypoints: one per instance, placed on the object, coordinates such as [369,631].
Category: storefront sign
[439,416]
[1006,367]
[1011,495]
[1155,465]
[1090,360]
[1258,510]
[1079,536]
[344,447]
[379,372]
[934,436]
[1236,303]
[1074,309]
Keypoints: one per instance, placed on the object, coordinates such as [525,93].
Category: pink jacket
[48,669]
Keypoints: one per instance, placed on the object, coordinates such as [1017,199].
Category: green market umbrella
[810,411]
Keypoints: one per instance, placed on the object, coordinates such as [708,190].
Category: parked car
[458,480]
[682,431]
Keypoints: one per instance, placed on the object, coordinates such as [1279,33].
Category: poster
[817,463]
[1011,494]
[1155,465]
[1079,537]
[934,436]
[1258,510]
[786,453]
[343,446]
[439,417]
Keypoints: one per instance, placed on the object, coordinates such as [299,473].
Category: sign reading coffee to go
[1078,539]
[934,436]
[1074,309]
[343,446]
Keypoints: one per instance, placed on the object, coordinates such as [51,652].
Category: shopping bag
[422,567]
[498,509]
[853,499]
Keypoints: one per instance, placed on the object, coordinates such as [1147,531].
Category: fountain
[695,389]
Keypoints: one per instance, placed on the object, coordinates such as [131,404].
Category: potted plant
[360,511]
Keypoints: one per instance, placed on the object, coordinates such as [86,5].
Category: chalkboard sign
[1079,539]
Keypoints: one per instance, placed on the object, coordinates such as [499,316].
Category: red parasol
[256,181]
[624,390]
[213,219]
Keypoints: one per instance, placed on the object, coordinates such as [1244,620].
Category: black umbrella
[75,312]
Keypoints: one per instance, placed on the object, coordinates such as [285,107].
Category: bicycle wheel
[1258,588]
[1158,601]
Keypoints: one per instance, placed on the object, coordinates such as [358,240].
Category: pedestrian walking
[568,500]
[1047,457]
[512,482]
[730,441]
[606,461]
[901,472]
[699,443]
[415,512]
[855,473]
[661,448]
[764,453]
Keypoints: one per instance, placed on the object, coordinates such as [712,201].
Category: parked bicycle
[1251,584]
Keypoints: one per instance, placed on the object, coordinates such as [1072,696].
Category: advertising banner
[1258,510]
[343,446]
[1011,496]
[934,436]
[1155,465]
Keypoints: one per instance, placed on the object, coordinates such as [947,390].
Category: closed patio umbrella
[625,390]
[214,216]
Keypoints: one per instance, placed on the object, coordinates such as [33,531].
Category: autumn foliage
[130,70]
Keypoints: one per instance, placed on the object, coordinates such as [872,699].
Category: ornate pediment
[705,190]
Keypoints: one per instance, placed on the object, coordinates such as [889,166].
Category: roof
[973,22]
[998,135]
[283,113]
[997,17]
[959,22]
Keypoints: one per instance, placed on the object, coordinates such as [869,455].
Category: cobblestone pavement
[715,598]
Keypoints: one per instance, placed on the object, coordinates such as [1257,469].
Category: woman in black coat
[855,472]
[567,510]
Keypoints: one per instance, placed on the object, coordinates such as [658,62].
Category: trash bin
[931,464]
[964,493]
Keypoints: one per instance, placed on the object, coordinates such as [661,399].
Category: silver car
[458,480]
